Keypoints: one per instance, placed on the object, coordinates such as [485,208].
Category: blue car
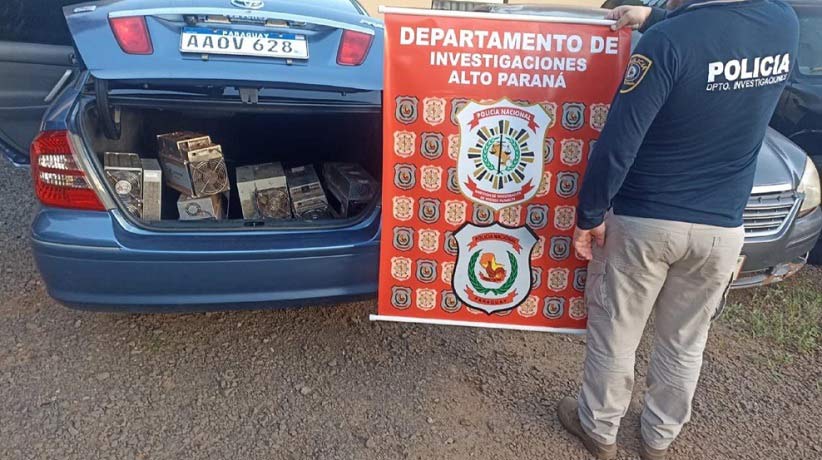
[269,80]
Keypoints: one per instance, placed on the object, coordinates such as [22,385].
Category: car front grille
[767,213]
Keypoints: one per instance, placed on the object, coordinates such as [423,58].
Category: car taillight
[132,34]
[58,180]
[353,47]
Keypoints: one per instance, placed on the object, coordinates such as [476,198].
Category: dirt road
[325,383]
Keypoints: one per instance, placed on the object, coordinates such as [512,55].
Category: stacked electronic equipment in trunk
[194,166]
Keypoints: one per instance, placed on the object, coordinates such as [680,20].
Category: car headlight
[809,185]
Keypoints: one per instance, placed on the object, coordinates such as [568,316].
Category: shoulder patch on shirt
[638,67]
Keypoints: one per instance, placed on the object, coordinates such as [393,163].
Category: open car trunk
[293,134]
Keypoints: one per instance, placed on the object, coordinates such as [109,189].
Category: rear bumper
[772,259]
[88,261]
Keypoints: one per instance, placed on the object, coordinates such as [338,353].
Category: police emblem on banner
[405,176]
[580,276]
[560,248]
[431,145]
[577,309]
[591,146]
[536,277]
[558,279]
[564,217]
[447,272]
[539,249]
[455,211]
[457,104]
[400,297]
[548,153]
[545,185]
[554,307]
[551,110]
[404,143]
[403,207]
[429,210]
[493,266]
[426,299]
[570,151]
[403,238]
[573,115]
[426,270]
[599,114]
[433,110]
[429,241]
[452,184]
[431,178]
[536,216]
[449,302]
[530,307]
[567,183]
[453,146]
[406,111]
[401,268]
[450,244]
[501,147]
[482,214]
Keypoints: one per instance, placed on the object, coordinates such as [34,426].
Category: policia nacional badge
[638,67]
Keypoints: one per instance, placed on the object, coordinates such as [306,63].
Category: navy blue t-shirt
[684,131]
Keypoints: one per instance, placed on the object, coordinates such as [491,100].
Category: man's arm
[647,83]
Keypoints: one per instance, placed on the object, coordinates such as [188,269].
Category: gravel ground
[326,383]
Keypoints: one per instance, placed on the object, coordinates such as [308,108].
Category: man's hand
[583,240]
[628,16]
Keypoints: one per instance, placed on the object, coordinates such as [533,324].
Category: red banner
[488,124]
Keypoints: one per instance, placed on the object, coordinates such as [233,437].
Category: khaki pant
[680,270]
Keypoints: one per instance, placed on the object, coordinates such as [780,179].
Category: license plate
[740,261]
[205,40]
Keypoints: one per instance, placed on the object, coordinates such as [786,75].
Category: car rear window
[810,40]
[35,21]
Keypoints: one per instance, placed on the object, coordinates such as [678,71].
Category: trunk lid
[317,26]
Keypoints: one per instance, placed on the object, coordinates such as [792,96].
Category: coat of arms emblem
[567,183]
[457,104]
[449,302]
[400,297]
[431,145]
[571,152]
[433,110]
[500,158]
[403,207]
[404,143]
[405,176]
[455,212]
[429,240]
[426,271]
[493,271]
[548,154]
[406,111]
[453,146]
[403,238]
[599,115]
[573,115]
[530,307]
[554,307]
[551,109]
[544,186]
[431,178]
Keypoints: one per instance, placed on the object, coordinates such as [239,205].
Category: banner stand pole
[448,322]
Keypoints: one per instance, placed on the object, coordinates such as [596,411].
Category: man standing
[675,166]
